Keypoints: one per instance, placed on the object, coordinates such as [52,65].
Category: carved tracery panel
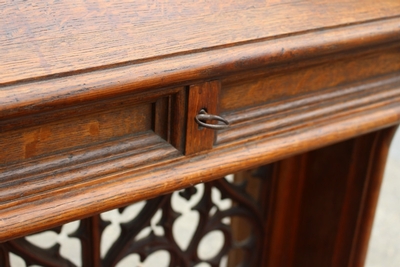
[198,226]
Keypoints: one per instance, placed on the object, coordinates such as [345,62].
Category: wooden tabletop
[47,38]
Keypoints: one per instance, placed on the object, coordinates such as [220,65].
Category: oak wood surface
[322,210]
[203,96]
[293,76]
[248,89]
[60,37]
[57,92]
[48,209]
[94,128]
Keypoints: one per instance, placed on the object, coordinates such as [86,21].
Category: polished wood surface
[62,37]
[97,107]
[324,201]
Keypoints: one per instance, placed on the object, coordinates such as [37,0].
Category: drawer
[66,146]
[286,99]
[119,133]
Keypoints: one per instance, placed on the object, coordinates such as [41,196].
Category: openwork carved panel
[214,224]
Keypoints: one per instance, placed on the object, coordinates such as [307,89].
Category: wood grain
[203,96]
[326,117]
[37,212]
[67,134]
[97,106]
[56,92]
[61,37]
[270,85]
[65,169]
[289,114]
[323,208]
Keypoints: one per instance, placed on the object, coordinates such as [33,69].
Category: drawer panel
[64,130]
[82,143]
[270,85]
[74,133]
[286,99]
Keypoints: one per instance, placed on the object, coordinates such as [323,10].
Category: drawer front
[285,99]
[68,146]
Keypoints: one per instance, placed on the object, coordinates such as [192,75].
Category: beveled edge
[58,92]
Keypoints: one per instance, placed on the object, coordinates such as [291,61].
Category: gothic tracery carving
[211,219]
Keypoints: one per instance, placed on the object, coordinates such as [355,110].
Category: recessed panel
[269,85]
[69,133]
